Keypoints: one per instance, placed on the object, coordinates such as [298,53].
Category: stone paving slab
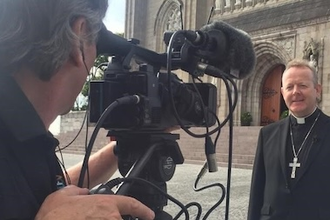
[181,188]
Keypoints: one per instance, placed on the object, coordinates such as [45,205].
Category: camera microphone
[224,47]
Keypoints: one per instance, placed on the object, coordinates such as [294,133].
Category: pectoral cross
[294,166]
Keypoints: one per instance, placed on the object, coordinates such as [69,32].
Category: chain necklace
[295,163]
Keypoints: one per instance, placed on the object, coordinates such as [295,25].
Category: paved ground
[181,188]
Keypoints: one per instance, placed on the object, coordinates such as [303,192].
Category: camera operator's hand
[73,202]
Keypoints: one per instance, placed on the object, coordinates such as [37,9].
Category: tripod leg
[137,169]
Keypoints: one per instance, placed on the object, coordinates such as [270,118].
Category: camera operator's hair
[303,64]
[38,33]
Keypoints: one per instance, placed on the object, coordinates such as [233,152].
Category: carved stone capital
[311,51]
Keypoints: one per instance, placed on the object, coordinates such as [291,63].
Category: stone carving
[311,52]
[174,20]
[287,44]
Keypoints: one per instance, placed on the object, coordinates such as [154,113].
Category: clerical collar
[303,120]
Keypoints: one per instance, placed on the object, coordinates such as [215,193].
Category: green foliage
[284,114]
[100,65]
[246,118]
[75,108]
[83,108]
[85,88]
[100,60]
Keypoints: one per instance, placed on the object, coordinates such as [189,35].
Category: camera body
[193,104]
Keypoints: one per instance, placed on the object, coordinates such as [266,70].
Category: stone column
[218,4]
[248,2]
[238,4]
[228,6]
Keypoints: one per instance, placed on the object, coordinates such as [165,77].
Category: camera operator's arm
[102,165]
[72,202]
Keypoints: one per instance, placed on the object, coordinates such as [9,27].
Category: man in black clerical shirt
[289,180]
[46,50]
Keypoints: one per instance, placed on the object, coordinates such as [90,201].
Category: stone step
[244,145]
[222,164]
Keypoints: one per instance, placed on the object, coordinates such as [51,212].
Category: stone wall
[280,29]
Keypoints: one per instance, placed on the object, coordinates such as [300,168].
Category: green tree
[100,65]
[100,60]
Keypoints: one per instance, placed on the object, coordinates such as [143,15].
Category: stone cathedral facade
[280,30]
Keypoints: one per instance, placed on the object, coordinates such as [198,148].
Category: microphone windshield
[240,58]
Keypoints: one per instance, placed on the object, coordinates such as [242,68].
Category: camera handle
[155,162]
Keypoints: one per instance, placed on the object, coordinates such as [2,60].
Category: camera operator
[46,50]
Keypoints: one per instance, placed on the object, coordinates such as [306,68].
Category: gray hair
[38,33]
[303,63]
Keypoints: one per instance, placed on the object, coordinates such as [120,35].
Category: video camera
[140,97]
[195,104]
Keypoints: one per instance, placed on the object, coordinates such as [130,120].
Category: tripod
[150,156]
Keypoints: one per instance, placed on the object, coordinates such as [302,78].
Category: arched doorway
[270,64]
[272,103]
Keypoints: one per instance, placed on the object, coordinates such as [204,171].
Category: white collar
[301,120]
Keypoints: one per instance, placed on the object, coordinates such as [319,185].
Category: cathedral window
[174,20]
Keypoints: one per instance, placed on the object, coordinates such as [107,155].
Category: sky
[115,17]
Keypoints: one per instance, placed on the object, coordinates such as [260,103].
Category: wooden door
[271,96]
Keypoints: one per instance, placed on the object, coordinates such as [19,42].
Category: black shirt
[300,131]
[28,164]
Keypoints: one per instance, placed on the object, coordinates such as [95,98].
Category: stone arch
[161,20]
[268,56]
[269,47]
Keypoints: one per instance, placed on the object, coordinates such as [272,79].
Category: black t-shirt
[28,164]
